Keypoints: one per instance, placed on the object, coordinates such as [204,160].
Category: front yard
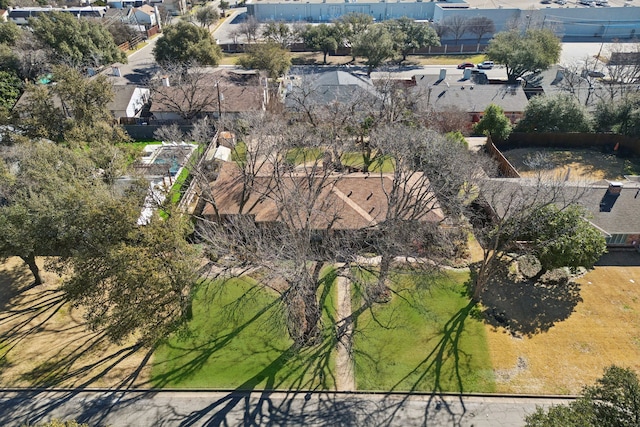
[422,340]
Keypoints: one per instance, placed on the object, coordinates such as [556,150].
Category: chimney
[615,188]
[165,81]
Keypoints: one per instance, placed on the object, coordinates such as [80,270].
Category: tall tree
[207,16]
[40,193]
[186,43]
[479,26]
[621,116]
[323,38]
[279,32]
[523,54]
[10,88]
[376,45]
[250,28]
[153,265]
[224,5]
[291,180]
[409,35]
[457,26]
[350,26]
[564,238]
[557,113]
[76,42]
[270,57]
[508,219]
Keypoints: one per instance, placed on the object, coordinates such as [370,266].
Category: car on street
[486,65]
[465,65]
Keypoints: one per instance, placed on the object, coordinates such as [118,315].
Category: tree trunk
[380,292]
[304,311]
[30,260]
[325,57]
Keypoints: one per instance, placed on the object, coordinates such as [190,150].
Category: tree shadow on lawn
[527,306]
[432,370]
[14,280]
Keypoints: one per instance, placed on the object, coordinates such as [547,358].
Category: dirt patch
[577,164]
[602,328]
[44,342]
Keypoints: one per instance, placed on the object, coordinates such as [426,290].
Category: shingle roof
[467,95]
[348,201]
[239,92]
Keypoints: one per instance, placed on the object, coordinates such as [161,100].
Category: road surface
[190,408]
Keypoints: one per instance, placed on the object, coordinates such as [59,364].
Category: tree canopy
[494,123]
[613,401]
[522,54]
[409,35]
[376,45]
[621,116]
[76,42]
[323,38]
[557,113]
[270,57]
[185,43]
[564,238]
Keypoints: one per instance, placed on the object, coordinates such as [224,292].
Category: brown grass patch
[580,164]
[44,342]
[604,329]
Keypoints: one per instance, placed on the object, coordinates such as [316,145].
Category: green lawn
[237,339]
[298,156]
[424,339]
[382,164]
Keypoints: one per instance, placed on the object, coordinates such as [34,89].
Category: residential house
[128,101]
[20,16]
[471,92]
[612,205]
[143,15]
[306,91]
[349,201]
[210,93]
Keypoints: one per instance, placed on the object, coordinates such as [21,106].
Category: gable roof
[468,95]
[346,201]
[145,8]
[329,87]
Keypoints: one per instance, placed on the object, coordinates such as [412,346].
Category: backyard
[577,164]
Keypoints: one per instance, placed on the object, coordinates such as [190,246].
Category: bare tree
[293,213]
[186,90]
[507,211]
[479,26]
[441,29]
[457,26]
[249,28]
[622,69]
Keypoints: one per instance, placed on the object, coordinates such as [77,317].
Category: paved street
[140,66]
[188,408]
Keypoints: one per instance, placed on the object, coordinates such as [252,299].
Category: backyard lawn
[241,341]
[424,339]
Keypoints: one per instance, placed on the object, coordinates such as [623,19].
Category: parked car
[561,2]
[546,2]
[486,65]
[465,65]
